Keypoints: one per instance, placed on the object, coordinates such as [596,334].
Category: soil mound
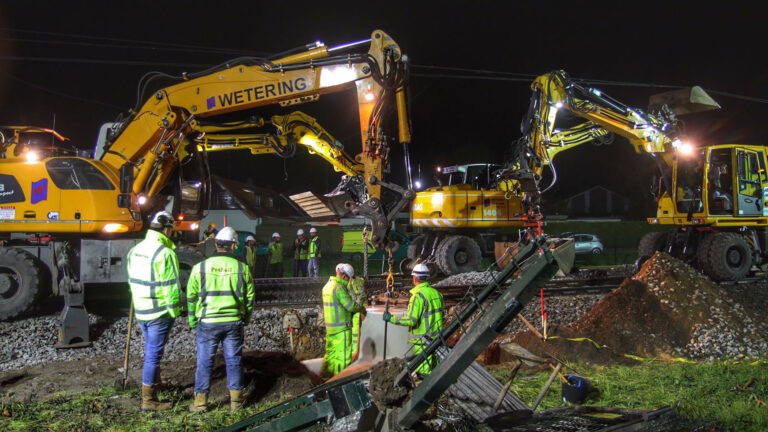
[668,309]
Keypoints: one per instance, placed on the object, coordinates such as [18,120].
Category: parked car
[586,243]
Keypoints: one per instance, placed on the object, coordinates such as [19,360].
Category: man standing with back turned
[153,275]
[220,299]
[338,307]
[424,316]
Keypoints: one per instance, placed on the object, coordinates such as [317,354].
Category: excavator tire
[728,257]
[458,254]
[415,246]
[651,243]
[188,257]
[22,281]
[702,250]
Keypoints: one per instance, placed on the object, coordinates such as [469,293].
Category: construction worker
[210,232]
[153,276]
[275,257]
[338,307]
[357,292]
[314,253]
[250,254]
[300,253]
[424,316]
[220,300]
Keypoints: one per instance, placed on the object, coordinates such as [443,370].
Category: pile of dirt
[666,310]
[384,393]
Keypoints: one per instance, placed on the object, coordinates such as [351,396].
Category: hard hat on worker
[346,269]
[250,238]
[312,230]
[275,235]
[300,232]
[226,235]
[211,225]
[160,220]
[420,271]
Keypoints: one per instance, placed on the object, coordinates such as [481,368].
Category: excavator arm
[156,135]
[292,130]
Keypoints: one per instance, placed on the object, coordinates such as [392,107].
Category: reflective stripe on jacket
[220,289]
[276,253]
[153,275]
[337,306]
[314,247]
[425,311]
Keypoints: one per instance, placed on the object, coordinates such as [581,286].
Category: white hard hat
[227,234]
[346,269]
[275,235]
[161,219]
[249,238]
[312,230]
[420,271]
[300,232]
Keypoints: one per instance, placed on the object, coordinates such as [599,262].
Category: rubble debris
[30,341]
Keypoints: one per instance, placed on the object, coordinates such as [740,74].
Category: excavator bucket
[686,100]
[563,250]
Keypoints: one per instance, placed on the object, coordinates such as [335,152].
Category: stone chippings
[725,321]
[30,341]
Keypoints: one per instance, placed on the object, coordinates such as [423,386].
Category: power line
[104,62]
[138,47]
[166,44]
[64,95]
[514,77]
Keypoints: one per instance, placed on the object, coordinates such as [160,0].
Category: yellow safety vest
[153,275]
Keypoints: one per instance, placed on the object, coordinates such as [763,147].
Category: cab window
[749,175]
[74,173]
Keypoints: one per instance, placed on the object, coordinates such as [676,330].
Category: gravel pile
[468,278]
[30,341]
[561,310]
[720,324]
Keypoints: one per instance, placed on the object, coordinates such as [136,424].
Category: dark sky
[455,121]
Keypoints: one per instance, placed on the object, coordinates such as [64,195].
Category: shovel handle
[127,345]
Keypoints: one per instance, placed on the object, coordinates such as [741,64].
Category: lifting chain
[390,273]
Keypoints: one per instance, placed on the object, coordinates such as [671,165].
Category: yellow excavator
[68,221]
[714,198]
[460,218]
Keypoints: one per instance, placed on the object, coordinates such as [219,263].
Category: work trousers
[425,367]
[275,270]
[155,336]
[230,334]
[299,266]
[337,350]
[314,267]
[356,322]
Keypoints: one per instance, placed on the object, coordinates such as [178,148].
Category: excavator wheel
[22,281]
[458,254]
[651,243]
[188,257]
[702,250]
[406,266]
[415,246]
[728,257]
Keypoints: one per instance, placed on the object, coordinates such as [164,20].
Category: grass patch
[116,411]
[733,395]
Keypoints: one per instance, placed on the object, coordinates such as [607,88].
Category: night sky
[44,71]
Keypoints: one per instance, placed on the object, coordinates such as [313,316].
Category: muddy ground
[269,377]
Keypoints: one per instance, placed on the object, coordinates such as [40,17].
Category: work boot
[200,404]
[149,400]
[235,399]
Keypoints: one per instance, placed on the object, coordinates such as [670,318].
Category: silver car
[586,243]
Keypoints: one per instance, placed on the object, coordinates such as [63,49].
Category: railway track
[306,292]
